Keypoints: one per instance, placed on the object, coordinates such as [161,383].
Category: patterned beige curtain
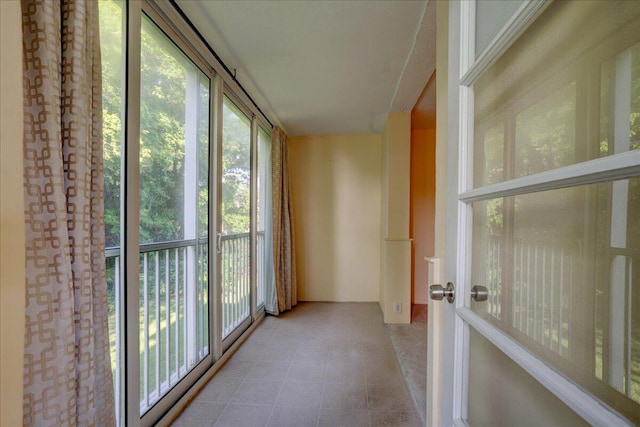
[67,368]
[284,261]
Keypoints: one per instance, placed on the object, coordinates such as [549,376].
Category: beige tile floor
[322,364]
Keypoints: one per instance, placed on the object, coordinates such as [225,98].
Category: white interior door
[542,214]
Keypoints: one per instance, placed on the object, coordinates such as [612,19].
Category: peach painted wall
[12,273]
[423,207]
[335,184]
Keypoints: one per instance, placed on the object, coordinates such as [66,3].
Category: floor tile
[293,417]
[269,370]
[219,390]
[257,392]
[242,415]
[322,364]
[383,372]
[344,396]
[392,398]
[344,370]
[343,418]
[306,370]
[235,367]
[300,394]
[394,419]
[199,414]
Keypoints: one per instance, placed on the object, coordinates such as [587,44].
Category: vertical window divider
[130,209]
[253,224]
[215,222]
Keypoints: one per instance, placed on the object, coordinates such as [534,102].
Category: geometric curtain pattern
[284,262]
[67,368]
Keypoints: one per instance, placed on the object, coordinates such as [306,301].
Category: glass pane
[495,379]
[111,46]
[545,133]
[491,16]
[578,62]
[263,210]
[174,147]
[236,215]
[489,159]
[620,99]
[563,268]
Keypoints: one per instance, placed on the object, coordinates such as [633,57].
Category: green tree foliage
[112,88]
[163,77]
[236,170]
[162,138]
[162,132]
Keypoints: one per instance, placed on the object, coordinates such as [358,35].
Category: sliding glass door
[180,159]
[234,238]
[173,225]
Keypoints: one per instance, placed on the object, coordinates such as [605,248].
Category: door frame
[448,324]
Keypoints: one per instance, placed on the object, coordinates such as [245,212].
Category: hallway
[323,364]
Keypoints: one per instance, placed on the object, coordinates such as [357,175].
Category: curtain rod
[215,54]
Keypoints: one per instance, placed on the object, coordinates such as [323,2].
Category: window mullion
[611,168]
[131,213]
[217,100]
[253,209]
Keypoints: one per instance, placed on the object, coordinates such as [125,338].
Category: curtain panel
[284,262]
[67,367]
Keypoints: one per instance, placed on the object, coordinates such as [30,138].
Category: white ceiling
[323,67]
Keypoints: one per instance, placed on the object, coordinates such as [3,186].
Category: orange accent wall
[423,208]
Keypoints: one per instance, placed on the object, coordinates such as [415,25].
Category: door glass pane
[567,91]
[620,99]
[545,136]
[562,268]
[495,379]
[491,16]
[489,157]
[174,147]
[236,215]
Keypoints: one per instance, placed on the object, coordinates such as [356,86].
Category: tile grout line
[266,424]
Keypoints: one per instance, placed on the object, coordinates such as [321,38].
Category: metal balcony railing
[542,273]
[545,278]
[174,305]
[236,281]
[174,320]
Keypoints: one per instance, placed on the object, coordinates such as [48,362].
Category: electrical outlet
[397,307]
